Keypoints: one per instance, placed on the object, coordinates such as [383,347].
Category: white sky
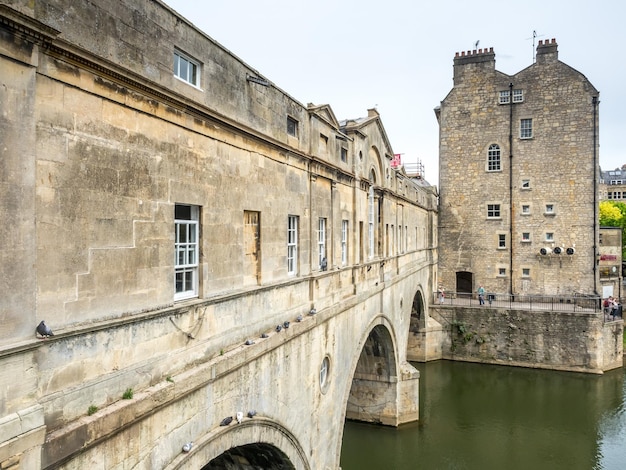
[397,55]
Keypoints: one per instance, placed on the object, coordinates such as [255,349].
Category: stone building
[613,184]
[518,177]
[166,202]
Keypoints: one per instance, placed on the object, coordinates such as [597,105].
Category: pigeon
[44,330]
[286,325]
[249,342]
[264,335]
[299,318]
[251,413]
[226,421]
[187,447]
[239,416]
[313,311]
[278,328]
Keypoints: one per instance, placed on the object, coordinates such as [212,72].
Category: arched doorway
[251,457]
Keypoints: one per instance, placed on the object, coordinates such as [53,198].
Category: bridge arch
[371,395]
[256,440]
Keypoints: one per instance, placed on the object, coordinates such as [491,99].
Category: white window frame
[550,210]
[525,209]
[501,272]
[526,128]
[494,160]
[186,253]
[292,244]
[549,236]
[321,241]
[526,184]
[493,211]
[518,96]
[526,237]
[344,242]
[504,97]
[501,241]
[187,69]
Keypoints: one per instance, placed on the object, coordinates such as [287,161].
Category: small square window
[549,208]
[186,69]
[525,184]
[525,272]
[518,96]
[501,271]
[493,211]
[549,236]
[525,209]
[525,236]
[292,126]
[504,96]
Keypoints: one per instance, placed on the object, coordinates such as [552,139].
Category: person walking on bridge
[481,295]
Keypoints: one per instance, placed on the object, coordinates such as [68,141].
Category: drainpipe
[594,102]
[511,188]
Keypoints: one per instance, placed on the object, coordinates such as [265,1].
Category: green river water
[483,417]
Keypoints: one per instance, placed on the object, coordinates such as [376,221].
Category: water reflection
[477,416]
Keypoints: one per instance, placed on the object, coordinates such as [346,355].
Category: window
[526,129]
[344,242]
[292,244]
[525,184]
[370,221]
[525,236]
[292,126]
[549,208]
[321,243]
[186,220]
[323,143]
[493,211]
[501,271]
[493,158]
[344,154]
[502,240]
[186,69]
[525,272]
[549,236]
[525,209]
[505,96]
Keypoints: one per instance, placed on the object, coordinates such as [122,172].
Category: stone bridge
[342,356]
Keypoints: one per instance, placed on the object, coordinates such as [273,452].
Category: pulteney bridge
[348,359]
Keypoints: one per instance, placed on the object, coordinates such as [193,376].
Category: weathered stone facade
[150,178]
[518,173]
[572,341]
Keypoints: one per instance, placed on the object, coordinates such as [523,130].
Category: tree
[611,215]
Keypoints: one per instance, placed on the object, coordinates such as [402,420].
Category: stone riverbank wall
[570,341]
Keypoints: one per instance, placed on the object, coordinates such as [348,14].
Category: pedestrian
[441,294]
[481,295]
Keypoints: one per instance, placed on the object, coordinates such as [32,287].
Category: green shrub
[92,409]
[128,394]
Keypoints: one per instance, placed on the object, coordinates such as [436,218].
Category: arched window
[493,158]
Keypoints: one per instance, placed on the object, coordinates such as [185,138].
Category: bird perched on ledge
[44,330]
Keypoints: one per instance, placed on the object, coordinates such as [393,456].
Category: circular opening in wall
[325,374]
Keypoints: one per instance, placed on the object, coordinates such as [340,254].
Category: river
[483,417]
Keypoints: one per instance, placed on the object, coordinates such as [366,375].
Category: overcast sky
[397,55]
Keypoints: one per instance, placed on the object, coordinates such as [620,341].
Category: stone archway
[251,457]
[424,333]
[382,391]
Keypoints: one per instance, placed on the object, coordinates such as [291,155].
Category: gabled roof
[324,112]
[358,124]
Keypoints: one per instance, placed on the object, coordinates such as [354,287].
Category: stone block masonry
[571,341]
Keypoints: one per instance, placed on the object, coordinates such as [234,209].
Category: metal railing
[561,303]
